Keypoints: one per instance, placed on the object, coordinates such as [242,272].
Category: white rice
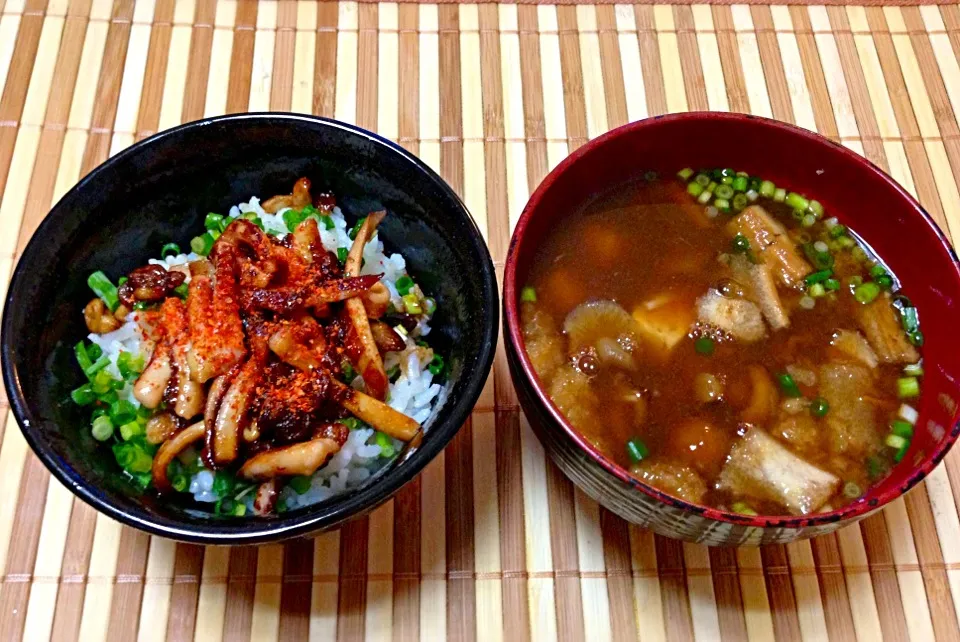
[414,393]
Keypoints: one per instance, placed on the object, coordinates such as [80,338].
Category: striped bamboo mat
[491,542]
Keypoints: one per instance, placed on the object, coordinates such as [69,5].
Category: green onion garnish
[404,284]
[436,365]
[908,387]
[832,285]
[356,228]
[866,292]
[202,244]
[342,253]
[895,441]
[412,304]
[818,277]
[528,295]
[909,319]
[130,430]
[685,173]
[901,428]
[796,201]
[788,385]
[767,189]
[223,483]
[327,222]
[741,243]
[214,221]
[170,249]
[817,290]
[851,490]
[104,289]
[300,484]
[84,395]
[83,357]
[122,412]
[97,366]
[694,189]
[386,444]
[819,407]
[182,291]
[180,483]
[743,508]
[740,184]
[724,191]
[837,231]
[637,450]
[704,346]
[916,338]
[102,428]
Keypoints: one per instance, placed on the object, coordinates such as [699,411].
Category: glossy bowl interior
[850,187]
[159,191]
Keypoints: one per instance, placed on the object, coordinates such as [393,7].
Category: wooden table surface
[491,542]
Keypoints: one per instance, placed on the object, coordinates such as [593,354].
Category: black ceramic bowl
[159,191]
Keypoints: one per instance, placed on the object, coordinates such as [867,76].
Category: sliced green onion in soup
[637,450]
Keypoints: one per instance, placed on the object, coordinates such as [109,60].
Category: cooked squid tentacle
[232,412]
[287,299]
[284,344]
[297,459]
[306,241]
[149,386]
[297,199]
[266,498]
[363,350]
[213,312]
[375,412]
[170,449]
[161,427]
[376,300]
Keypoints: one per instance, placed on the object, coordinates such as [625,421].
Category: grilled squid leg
[149,386]
[233,410]
[297,459]
[170,449]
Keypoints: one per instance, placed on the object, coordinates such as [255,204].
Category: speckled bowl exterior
[158,191]
[849,186]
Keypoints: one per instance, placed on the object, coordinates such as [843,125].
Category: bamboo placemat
[491,542]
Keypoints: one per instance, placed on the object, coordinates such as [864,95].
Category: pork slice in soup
[726,342]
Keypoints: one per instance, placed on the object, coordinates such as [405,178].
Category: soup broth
[757,359]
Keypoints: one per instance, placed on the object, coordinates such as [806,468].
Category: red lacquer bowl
[850,187]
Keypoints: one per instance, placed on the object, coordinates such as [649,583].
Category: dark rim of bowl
[515,338]
[321,516]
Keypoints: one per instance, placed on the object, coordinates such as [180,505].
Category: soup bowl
[160,190]
[896,227]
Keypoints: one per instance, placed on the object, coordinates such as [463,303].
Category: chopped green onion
[819,256]
[837,231]
[741,243]
[702,180]
[817,290]
[180,483]
[436,365]
[139,306]
[846,242]
[788,385]
[902,428]
[808,220]
[101,382]
[352,423]
[913,370]
[129,365]
[97,366]
[223,483]
[356,228]
[637,450]
[83,357]
[724,191]
[816,208]
[300,484]
[866,292]
[874,467]
[102,428]
[898,457]
[704,346]
[170,249]
[909,319]
[796,201]
[780,195]
[895,441]
[132,457]
[412,304]
[877,270]
[327,222]
[214,221]
[743,508]
[818,277]
[404,284]
[527,294]
[885,281]
[293,218]
[385,442]
[253,218]
[767,189]
[851,490]
[202,244]
[915,337]
[705,197]
[239,510]
[182,291]
[342,253]
[122,412]
[430,304]
[130,430]
[84,395]
[393,373]
[685,173]
[346,368]
[740,183]
[722,204]
[104,289]
[739,201]
[694,189]
[819,407]
[832,285]
[908,387]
